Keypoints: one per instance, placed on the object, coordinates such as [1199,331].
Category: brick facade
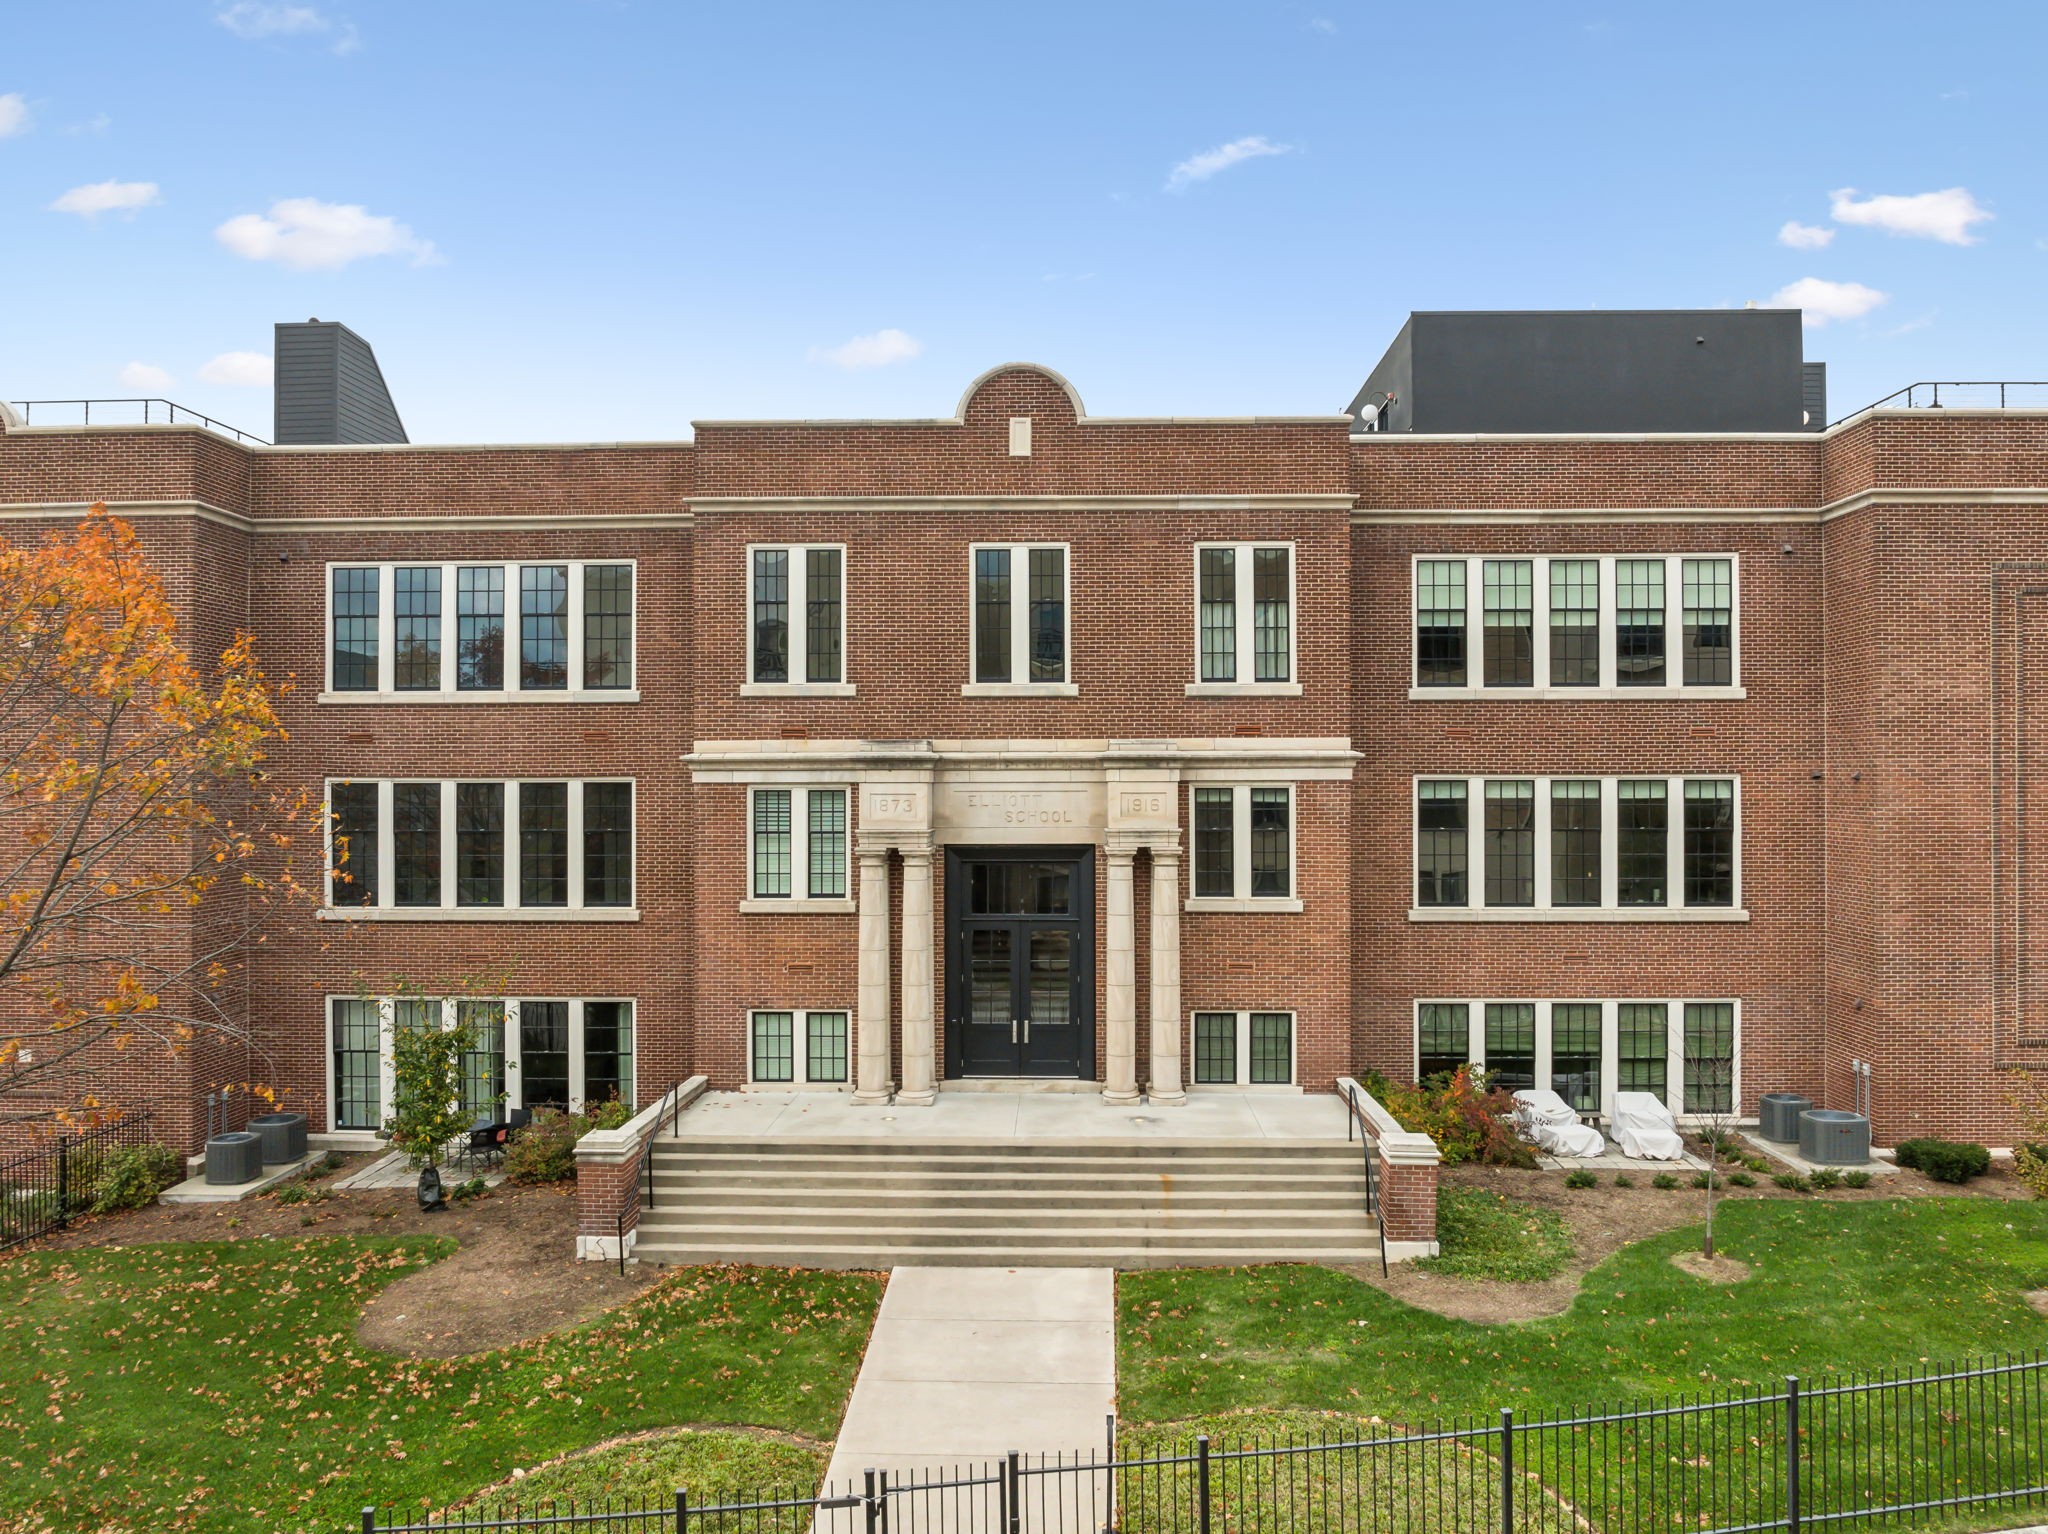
[1890,580]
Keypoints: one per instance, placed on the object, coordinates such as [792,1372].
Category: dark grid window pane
[1440,623]
[607,626]
[479,844]
[825,835]
[354,859]
[1511,843]
[1272,854]
[543,627]
[825,1045]
[1443,1038]
[482,1067]
[1708,617]
[1574,622]
[1710,842]
[774,1056]
[1272,1044]
[1709,1057]
[1642,1047]
[1216,1049]
[480,628]
[1215,842]
[1019,889]
[1508,621]
[607,1052]
[543,844]
[1639,622]
[1440,843]
[355,630]
[416,613]
[1272,621]
[607,844]
[1575,1053]
[1574,842]
[991,615]
[1511,1044]
[358,1075]
[416,844]
[1048,616]
[1217,570]
[821,613]
[771,838]
[1643,848]
[544,1054]
[771,615]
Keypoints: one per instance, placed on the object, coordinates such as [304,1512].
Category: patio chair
[1644,1127]
[1552,1124]
[486,1142]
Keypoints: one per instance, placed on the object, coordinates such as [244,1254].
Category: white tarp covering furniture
[1643,1127]
[1550,1123]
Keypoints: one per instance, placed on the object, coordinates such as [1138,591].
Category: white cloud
[144,375]
[308,235]
[1822,300]
[1945,215]
[241,370]
[13,114]
[98,197]
[1202,166]
[1323,24]
[1805,236]
[255,20]
[875,351]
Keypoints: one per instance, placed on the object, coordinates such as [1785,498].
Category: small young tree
[426,1089]
[1710,1098]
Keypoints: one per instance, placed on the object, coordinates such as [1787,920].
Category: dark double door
[1020,993]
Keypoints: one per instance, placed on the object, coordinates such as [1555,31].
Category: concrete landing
[983,1117]
[966,1364]
[197,1190]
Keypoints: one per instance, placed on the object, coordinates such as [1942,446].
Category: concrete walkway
[966,1364]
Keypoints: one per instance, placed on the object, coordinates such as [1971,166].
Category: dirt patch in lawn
[1603,1219]
[1715,1270]
[2038,1298]
[512,1276]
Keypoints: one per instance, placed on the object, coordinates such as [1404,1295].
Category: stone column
[871,1077]
[1165,1088]
[920,1074]
[1120,988]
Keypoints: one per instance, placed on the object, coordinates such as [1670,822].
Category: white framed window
[1577,849]
[527,1052]
[486,849]
[461,632]
[799,1047]
[1244,621]
[1685,1052]
[1242,838]
[1242,1049]
[796,620]
[1019,620]
[799,837]
[1576,626]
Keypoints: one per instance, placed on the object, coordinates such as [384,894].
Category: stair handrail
[1369,1142]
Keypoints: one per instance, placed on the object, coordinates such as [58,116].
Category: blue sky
[601,219]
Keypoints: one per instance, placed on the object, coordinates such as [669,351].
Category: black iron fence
[1966,1444]
[124,412]
[1962,394]
[43,1187]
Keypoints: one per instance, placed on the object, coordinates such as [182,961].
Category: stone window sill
[1020,690]
[1264,905]
[814,906]
[1576,694]
[1243,689]
[797,690]
[478,913]
[535,695]
[1577,914]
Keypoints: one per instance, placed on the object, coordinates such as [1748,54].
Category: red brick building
[896,756]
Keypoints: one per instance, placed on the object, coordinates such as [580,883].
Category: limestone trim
[1120,985]
[762,761]
[206,511]
[872,1081]
[1164,1084]
[973,503]
[920,1032]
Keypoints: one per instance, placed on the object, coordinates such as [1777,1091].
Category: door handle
[1013,1030]
[1027,1030]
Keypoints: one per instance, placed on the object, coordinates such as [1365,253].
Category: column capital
[1122,846]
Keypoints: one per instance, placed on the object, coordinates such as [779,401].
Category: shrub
[545,1150]
[1826,1177]
[1705,1180]
[1755,1164]
[612,1113]
[1482,1234]
[473,1187]
[1741,1180]
[1792,1182]
[1580,1178]
[132,1177]
[326,1166]
[1663,1180]
[1623,1180]
[1945,1160]
[1855,1179]
[1468,1120]
[298,1191]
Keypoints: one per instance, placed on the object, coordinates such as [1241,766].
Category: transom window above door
[1018,636]
[796,620]
[1244,620]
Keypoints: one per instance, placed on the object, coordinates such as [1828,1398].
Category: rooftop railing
[1961,395]
[123,412]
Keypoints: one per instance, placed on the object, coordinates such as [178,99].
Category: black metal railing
[43,1187]
[1962,394]
[1854,1451]
[125,412]
[1370,1141]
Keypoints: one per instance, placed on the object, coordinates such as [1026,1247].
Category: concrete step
[1224,1254]
[1104,1178]
[1155,1217]
[797,1194]
[1134,1235]
[1013,1150]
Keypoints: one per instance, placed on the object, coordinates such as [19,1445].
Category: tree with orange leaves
[142,853]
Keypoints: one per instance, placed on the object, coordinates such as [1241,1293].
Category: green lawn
[1872,1284]
[220,1386]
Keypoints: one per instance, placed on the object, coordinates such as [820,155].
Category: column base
[870,1099]
[922,1099]
[1115,1099]
[1167,1099]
